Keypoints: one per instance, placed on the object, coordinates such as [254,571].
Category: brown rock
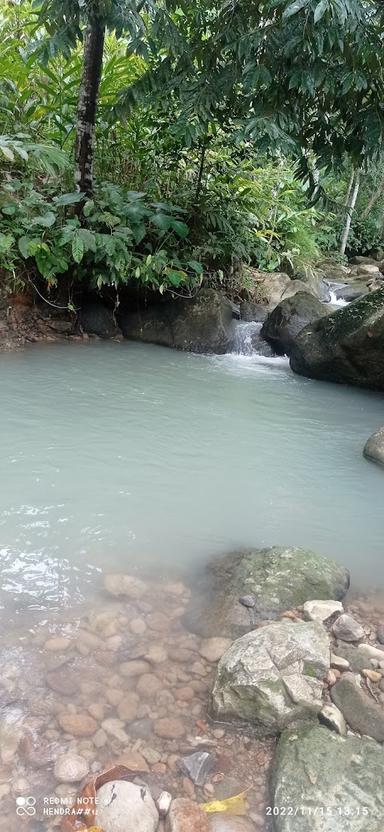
[372,675]
[181,654]
[57,644]
[136,667]
[212,649]
[148,685]
[186,816]
[128,707]
[127,585]
[169,728]
[158,621]
[132,760]
[185,694]
[78,725]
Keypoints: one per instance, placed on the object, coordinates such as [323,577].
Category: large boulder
[267,289]
[346,347]
[374,447]
[202,324]
[244,587]
[288,319]
[322,782]
[272,677]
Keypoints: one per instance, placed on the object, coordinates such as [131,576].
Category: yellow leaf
[232,805]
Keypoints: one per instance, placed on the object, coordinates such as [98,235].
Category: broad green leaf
[320,10]
[69,199]
[88,207]
[7,152]
[77,248]
[294,7]
[180,228]
[24,246]
[46,220]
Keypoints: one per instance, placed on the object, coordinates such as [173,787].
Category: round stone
[70,768]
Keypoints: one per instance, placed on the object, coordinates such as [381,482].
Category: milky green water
[132,457]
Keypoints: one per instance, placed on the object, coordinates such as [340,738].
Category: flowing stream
[139,459]
[126,457]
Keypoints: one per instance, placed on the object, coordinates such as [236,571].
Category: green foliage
[126,237]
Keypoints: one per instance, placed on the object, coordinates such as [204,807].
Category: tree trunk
[87,105]
[353,191]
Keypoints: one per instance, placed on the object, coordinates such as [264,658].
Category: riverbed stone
[212,649]
[186,816]
[126,807]
[374,447]
[321,610]
[273,676]
[288,318]
[359,709]
[79,725]
[335,783]
[128,708]
[202,324]
[63,681]
[169,728]
[279,579]
[70,768]
[332,717]
[345,347]
[347,628]
[132,760]
[125,585]
[220,822]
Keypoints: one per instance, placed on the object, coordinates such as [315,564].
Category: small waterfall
[334,301]
[248,341]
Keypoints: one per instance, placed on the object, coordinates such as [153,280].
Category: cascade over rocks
[202,324]
[276,579]
[288,318]
[374,447]
[346,347]
[336,783]
[272,677]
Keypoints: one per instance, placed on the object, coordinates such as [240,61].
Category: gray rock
[347,628]
[97,319]
[333,784]
[70,768]
[253,312]
[288,318]
[374,448]
[361,712]
[198,766]
[362,260]
[339,662]
[321,610]
[352,291]
[278,578]
[125,807]
[333,719]
[272,677]
[372,652]
[346,346]
[354,656]
[203,324]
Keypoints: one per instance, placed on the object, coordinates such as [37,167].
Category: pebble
[63,681]
[97,710]
[151,755]
[212,649]
[70,768]
[138,626]
[185,694]
[100,739]
[339,663]
[125,807]
[372,675]
[148,685]
[347,628]
[186,816]
[78,725]
[57,644]
[132,760]
[156,654]
[333,718]
[372,652]
[114,696]
[115,728]
[127,585]
[321,610]
[136,667]
[181,654]
[169,728]
[128,707]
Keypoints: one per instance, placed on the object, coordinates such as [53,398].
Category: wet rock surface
[332,783]
[272,677]
[288,318]
[277,579]
[374,447]
[360,710]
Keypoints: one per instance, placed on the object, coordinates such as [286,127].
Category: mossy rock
[277,579]
[346,347]
[322,782]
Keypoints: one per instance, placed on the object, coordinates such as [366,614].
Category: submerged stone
[125,807]
[273,677]
[277,578]
[360,710]
[332,783]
